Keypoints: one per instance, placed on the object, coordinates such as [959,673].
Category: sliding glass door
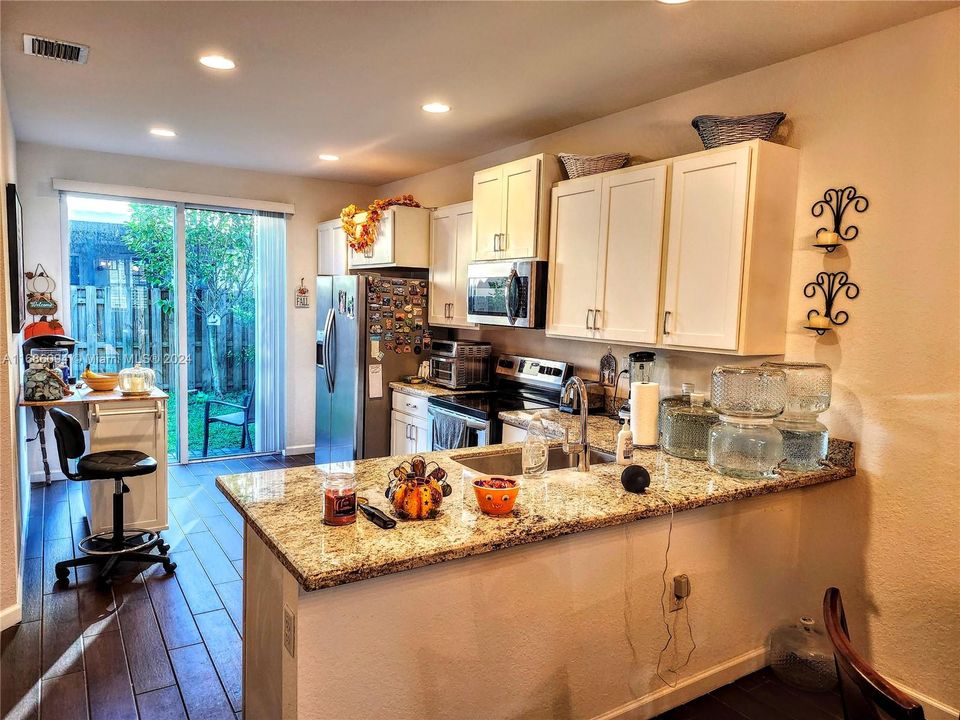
[193,292]
[122,291]
[221,272]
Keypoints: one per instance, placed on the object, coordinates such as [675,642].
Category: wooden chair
[241,418]
[866,694]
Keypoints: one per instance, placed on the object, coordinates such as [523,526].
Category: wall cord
[664,613]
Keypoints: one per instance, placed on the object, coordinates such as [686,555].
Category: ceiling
[349,78]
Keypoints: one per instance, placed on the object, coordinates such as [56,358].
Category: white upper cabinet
[511,209]
[331,248]
[716,278]
[729,249]
[705,257]
[606,235]
[451,245]
[574,257]
[403,240]
[631,232]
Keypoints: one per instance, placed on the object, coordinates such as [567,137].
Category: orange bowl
[103,384]
[494,500]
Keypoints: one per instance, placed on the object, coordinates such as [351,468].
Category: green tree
[220,265]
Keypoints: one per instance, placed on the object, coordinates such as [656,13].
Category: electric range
[520,383]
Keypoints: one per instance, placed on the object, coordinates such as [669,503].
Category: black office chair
[106,549]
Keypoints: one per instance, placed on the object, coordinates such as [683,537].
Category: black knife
[375,515]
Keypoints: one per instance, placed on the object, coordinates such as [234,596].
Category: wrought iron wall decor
[838,201]
[832,285]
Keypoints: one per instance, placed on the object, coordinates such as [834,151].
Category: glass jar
[801,655]
[744,443]
[339,499]
[681,400]
[686,428]
[137,380]
[805,439]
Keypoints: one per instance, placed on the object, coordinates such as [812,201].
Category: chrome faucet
[581,448]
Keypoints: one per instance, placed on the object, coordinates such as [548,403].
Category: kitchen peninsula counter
[284,508]
[565,592]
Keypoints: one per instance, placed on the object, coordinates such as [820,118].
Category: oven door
[443,371]
[476,433]
[506,293]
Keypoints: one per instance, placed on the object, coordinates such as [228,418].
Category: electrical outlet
[289,630]
[681,591]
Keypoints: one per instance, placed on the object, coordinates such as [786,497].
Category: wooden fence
[117,326]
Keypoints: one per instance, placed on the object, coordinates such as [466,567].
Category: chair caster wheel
[63,583]
[163,547]
[63,576]
[169,567]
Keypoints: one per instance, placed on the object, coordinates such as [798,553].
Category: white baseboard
[299,450]
[932,709]
[10,616]
[667,698]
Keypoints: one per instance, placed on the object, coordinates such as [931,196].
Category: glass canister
[808,394]
[686,428]
[801,656]
[339,499]
[744,443]
[681,400]
[137,380]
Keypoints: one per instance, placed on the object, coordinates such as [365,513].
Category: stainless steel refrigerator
[371,330]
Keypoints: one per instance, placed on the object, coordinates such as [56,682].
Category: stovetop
[487,406]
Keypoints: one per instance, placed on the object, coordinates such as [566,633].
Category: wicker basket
[717,130]
[581,165]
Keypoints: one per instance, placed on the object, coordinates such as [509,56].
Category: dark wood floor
[760,696]
[155,646]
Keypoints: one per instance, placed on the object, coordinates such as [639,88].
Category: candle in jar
[136,384]
[339,499]
[828,238]
[818,321]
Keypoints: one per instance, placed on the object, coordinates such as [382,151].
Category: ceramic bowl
[496,501]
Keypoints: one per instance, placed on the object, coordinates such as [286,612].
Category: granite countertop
[601,429]
[285,507]
[426,389]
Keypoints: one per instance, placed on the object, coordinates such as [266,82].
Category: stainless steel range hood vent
[55,49]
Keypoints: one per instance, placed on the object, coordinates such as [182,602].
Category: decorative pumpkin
[43,327]
[413,494]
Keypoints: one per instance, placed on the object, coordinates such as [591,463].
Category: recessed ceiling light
[329,157]
[217,62]
[162,132]
[436,107]
[673,2]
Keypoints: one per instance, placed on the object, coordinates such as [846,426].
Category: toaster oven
[459,364]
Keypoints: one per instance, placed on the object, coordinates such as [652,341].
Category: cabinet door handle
[666,316]
[589,311]
[596,318]
[449,311]
[503,241]
[413,434]
[496,241]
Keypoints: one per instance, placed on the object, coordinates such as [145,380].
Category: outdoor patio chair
[241,418]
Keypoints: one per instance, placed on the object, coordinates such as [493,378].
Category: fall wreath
[361,235]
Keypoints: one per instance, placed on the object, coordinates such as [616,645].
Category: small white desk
[118,422]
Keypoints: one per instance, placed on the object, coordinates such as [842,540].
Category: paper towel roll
[644,407]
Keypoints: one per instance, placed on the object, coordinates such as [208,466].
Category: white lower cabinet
[409,425]
[451,249]
[129,425]
[409,435]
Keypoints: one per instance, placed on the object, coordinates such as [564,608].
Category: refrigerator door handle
[327,355]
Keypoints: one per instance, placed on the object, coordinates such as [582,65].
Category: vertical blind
[271,249]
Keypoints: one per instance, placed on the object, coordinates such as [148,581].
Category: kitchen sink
[511,462]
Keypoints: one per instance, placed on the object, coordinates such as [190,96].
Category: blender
[639,366]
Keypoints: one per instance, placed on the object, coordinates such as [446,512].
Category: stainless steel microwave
[511,293]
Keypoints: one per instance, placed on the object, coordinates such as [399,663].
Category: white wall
[315,200]
[879,112]
[10,490]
